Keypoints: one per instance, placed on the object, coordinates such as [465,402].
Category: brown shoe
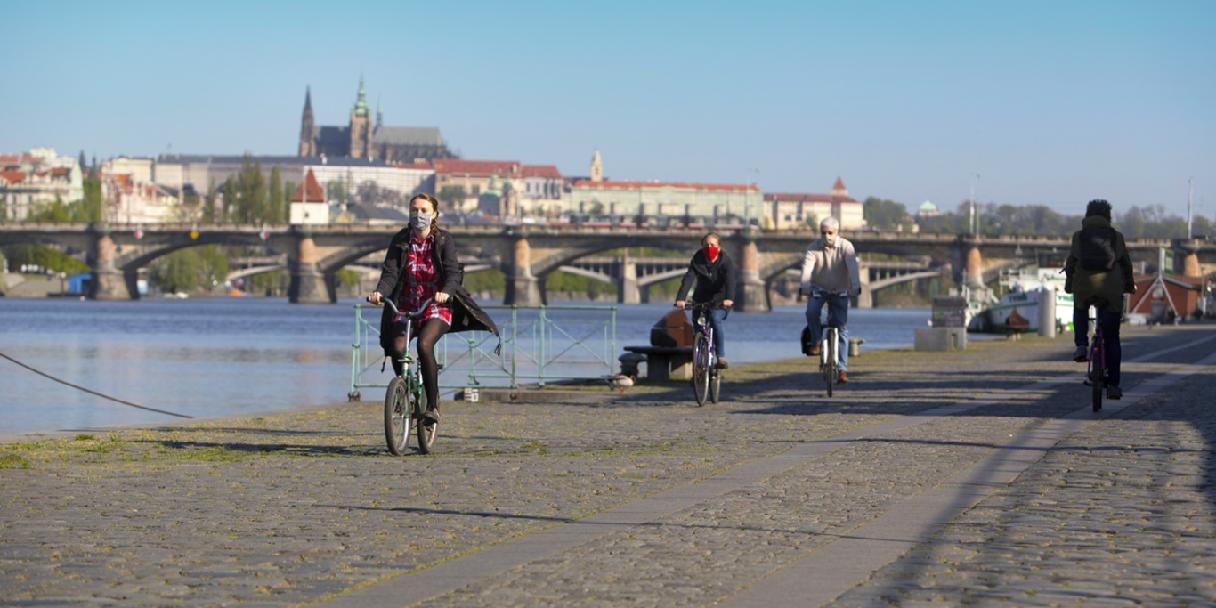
[842,377]
[816,348]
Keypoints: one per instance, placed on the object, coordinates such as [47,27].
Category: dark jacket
[1107,286]
[715,280]
[466,314]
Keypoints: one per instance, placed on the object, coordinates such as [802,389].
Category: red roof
[550,171]
[13,176]
[310,190]
[807,197]
[17,158]
[459,166]
[55,171]
[839,185]
[637,185]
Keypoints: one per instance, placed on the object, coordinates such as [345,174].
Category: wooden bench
[662,362]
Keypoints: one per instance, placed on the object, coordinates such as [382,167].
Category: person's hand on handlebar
[727,304]
[375,297]
[680,304]
[441,297]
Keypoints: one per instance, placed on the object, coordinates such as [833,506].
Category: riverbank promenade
[975,477]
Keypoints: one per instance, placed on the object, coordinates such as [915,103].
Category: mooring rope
[93,392]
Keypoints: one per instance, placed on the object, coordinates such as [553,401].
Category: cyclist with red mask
[715,276]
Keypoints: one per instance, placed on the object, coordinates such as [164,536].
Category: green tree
[46,257]
[336,190]
[277,204]
[883,213]
[190,269]
[268,283]
[53,212]
[228,190]
[453,196]
[88,209]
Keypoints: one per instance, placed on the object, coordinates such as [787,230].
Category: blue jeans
[715,323]
[1109,320]
[838,315]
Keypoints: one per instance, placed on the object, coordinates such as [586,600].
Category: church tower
[360,126]
[308,144]
[597,168]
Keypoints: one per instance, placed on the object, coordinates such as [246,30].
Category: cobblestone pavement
[300,507]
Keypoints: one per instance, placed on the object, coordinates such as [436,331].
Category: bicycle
[829,362]
[829,345]
[706,377]
[404,401]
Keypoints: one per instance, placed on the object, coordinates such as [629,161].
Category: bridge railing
[536,345]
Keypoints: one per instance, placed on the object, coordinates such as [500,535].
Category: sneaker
[816,349]
[842,376]
[721,363]
[1114,393]
[1080,355]
[430,416]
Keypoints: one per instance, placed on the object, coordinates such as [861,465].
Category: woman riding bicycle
[421,264]
[715,275]
[1098,272]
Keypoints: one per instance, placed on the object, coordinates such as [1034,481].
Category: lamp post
[974,224]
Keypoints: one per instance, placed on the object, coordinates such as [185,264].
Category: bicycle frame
[702,328]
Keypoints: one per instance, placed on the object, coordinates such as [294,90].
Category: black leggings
[432,330]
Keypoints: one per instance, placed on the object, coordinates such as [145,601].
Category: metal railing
[536,345]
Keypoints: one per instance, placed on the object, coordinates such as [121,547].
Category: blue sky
[1049,102]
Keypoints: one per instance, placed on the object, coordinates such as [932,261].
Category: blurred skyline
[1049,103]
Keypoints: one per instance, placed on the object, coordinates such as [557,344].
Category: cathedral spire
[308,145]
[379,114]
[361,108]
[597,167]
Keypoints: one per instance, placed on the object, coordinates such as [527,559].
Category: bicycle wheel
[1097,377]
[700,369]
[426,432]
[397,410]
[829,370]
[715,385]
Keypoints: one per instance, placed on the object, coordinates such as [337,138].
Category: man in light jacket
[830,276]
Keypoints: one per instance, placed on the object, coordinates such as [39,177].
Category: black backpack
[1097,248]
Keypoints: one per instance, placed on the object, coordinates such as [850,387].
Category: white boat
[1018,307]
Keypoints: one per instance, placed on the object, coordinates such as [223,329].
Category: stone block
[940,339]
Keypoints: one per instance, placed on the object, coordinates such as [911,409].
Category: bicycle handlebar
[693,306]
[412,315]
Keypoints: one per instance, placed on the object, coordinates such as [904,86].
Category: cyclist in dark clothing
[1098,272]
[715,276]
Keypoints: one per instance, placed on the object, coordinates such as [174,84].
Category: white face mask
[421,221]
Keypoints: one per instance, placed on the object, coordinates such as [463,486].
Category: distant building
[354,180]
[360,139]
[497,187]
[927,209]
[128,200]
[140,169]
[308,204]
[627,199]
[794,210]
[37,177]
[596,195]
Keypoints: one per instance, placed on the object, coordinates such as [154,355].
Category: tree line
[1148,221]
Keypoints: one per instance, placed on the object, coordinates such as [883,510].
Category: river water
[229,356]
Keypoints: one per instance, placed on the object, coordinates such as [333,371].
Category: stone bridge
[527,254]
